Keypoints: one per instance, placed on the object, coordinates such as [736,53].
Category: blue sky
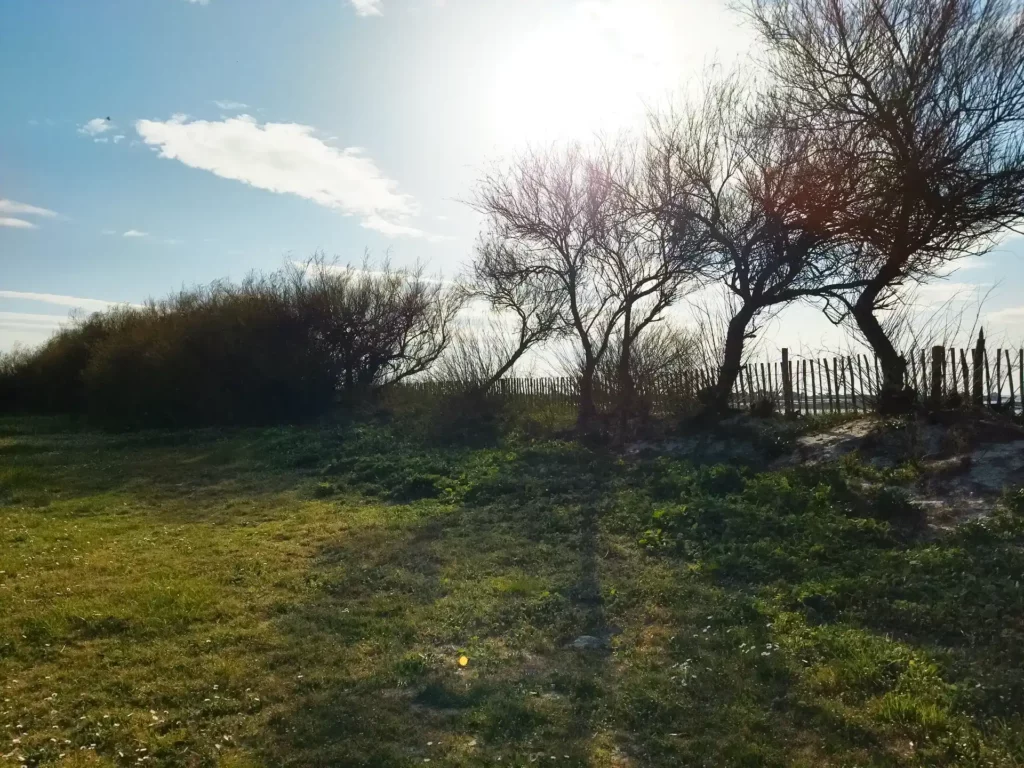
[242,133]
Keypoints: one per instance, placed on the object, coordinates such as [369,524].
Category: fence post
[1009,372]
[853,384]
[814,390]
[828,383]
[938,368]
[965,373]
[978,358]
[999,377]
[803,388]
[787,383]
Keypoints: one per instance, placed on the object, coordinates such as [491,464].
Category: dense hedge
[274,348]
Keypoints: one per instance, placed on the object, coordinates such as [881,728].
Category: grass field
[303,596]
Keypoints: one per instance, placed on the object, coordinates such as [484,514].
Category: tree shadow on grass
[507,587]
[510,579]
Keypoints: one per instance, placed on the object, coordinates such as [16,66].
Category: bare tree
[532,307]
[377,324]
[933,90]
[769,200]
[649,260]
[579,226]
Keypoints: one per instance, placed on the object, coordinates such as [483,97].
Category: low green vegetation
[303,596]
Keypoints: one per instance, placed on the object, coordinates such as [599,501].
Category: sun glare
[597,66]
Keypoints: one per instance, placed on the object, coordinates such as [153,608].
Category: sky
[149,145]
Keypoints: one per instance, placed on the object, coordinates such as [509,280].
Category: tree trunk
[625,374]
[732,360]
[893,396]
[586,412]
[496,376]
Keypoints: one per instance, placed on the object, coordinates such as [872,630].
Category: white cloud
[391,229]
[119,138]
[963,264]
[1005,327]
[135,233]
[232,105]
[96,126]
[367,7]
[24,209]
[6,221]
[90,305]
[198,2]
[108,232]
[30,320]
[1009,315]
[287,158]
[942,292]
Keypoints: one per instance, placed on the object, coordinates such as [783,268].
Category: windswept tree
[649,260]
[580,227]
[933,90]
[768,200]
[376,324]
[525,313]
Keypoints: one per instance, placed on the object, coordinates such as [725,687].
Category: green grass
[301,597]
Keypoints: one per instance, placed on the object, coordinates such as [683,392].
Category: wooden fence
[810,385]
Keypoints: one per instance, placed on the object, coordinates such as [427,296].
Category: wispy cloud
[1008,315]
[30,321]
[287,158]
[198,2]
[24,209]
[391,229]
[77,302]
[7,221]
[367,7]
[230,105]
[942,292]
[96,126]
[135,233]
[1006,324]
[11,210]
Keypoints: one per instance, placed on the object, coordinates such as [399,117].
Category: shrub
[893,504]
[274,348]
[763,407]
[236,358]
[1014,500]
[50,378]
[473,417]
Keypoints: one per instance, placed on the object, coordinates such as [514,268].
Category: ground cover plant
[368,593]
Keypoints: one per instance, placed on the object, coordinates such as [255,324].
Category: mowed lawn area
[305,597]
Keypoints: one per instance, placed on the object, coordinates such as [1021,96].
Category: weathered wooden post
[938,375]
[787,382]
[978,358]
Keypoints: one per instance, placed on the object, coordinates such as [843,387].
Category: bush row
[278,347]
